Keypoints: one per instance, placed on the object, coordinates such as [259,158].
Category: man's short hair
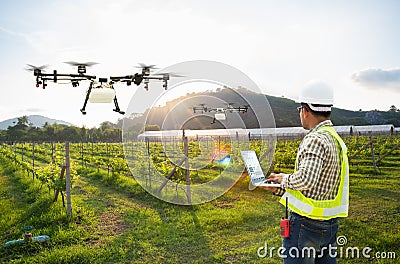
[326,114]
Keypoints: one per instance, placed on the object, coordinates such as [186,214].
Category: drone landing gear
[83,110]
[117,109]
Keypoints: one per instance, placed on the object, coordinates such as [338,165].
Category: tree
[83,133]
[71,133]
[393,109]
[107,125]
[18,131]
[49,131]
[23,122]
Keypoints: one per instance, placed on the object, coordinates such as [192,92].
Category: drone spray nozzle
[165,85]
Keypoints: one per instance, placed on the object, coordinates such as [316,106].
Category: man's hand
[271,189]
[273,177]
[276,177]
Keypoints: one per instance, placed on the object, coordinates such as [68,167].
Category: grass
[116,221]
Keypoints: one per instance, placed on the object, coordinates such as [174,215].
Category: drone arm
[154,78]
[55,76]
[121,78]
[75,76]
[71,77]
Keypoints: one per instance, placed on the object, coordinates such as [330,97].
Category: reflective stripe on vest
[323,209]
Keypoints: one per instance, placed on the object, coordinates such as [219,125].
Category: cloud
[33,110]
[378,78]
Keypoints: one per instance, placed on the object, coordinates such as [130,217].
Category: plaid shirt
[317,173]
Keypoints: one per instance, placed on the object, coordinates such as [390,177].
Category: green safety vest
[323,209]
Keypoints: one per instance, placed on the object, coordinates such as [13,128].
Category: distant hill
[286,115]
[35,120]
[284,110]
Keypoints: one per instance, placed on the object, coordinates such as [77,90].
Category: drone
[203,108]
[145,77]
[220,112]
[104,92]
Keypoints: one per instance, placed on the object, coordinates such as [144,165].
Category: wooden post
[53,160]
[91,153]
[23,151]
[15,152]
[387,153]
[372,153]
[170,174]
[108,160]
[33,160]
[82,155]
[61,178]
[68,181]
[148,180]
[219,145]
[358,152]
[132,150]
[186,148]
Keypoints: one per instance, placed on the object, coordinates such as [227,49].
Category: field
[116,221]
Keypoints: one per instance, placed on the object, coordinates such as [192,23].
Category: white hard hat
[316,92]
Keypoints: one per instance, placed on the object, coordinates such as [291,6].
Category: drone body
[103,92]
[229,108]
[220,112]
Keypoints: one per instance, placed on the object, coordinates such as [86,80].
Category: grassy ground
[116,221]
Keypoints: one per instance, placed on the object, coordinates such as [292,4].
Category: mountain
[177,111]
[286,115]
[35,120]
[172,115]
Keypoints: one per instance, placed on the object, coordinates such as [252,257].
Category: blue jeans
[310,241]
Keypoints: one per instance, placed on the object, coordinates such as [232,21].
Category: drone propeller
[144,66]
[81,66]
[169,74]
[146,69]
[85,64]
[35,68]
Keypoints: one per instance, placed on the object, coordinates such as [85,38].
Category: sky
[280,45]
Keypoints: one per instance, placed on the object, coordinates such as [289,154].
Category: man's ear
[306,112]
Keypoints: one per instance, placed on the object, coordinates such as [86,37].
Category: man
[317,190]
